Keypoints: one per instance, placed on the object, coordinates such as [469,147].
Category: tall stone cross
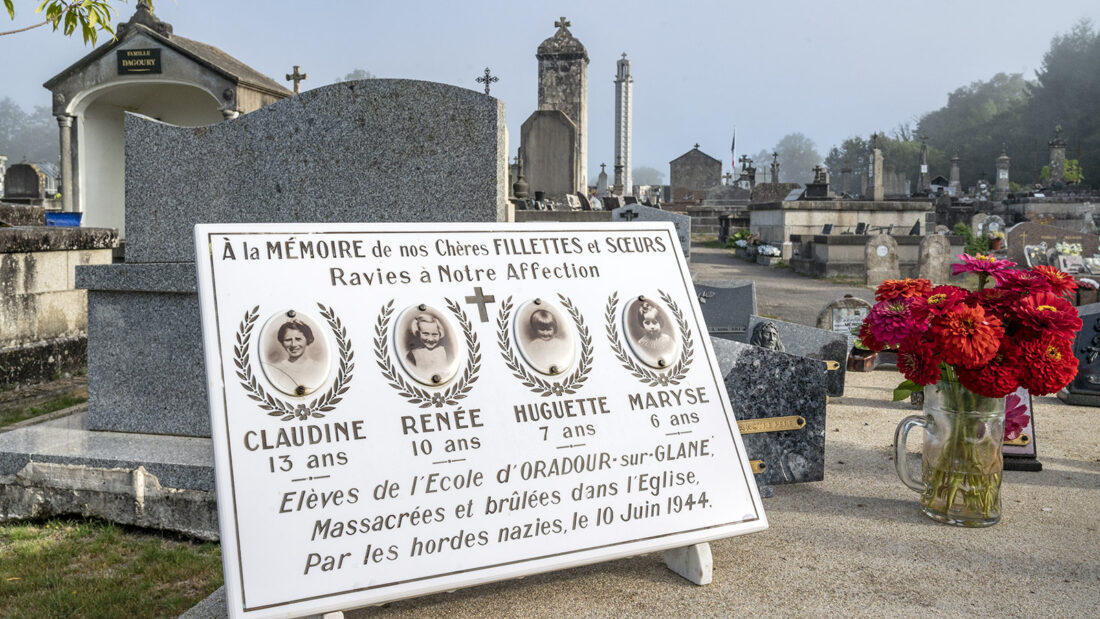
[488,79]
[563,23]
[297,78]
[728,177]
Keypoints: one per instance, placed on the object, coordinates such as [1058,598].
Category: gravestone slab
[803,341]
[1085,388]
[881,257]
[1021,453]
[977,223]
[844,316]
[787,443]
[993,224]
[727,306]
[24,181]
[1028,233]
[637,212]
[934,262]
[611,203]
[349,152]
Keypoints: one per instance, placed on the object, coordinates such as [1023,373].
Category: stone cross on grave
[297,78]
[480,299]
[744,161]
[488,79]
[563,23]
[696,145]
[728,177]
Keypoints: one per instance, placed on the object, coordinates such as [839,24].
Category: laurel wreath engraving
[414,393]
[280,408]
[570,384]
[673,375]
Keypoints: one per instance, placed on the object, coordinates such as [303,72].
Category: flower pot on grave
[861,360]
[768,260]
[1085,297]
[995,244]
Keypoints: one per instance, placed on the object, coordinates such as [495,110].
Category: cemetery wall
[844,255]
[775,222]
[43,317]
[1068,213]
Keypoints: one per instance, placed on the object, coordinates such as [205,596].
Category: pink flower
[1016,417]
[892,321]
[981,264]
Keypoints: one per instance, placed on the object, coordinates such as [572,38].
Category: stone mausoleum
[147,69]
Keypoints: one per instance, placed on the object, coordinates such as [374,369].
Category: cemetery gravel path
[780,292]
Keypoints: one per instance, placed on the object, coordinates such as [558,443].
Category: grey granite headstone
[1085,388]
[727,306]
[1021,235]
[844,316]
[977,223]
[934,263]
[881,259]
[369,151]
[638,212]
[764,384]
[820,344]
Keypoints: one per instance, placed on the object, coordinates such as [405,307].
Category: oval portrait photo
[546,337]
[651,333]
[427,343]
[295,353]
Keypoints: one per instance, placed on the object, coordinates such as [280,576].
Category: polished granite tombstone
[828,346]
[727,306]
[1085,388]
[783,391]
[638,212]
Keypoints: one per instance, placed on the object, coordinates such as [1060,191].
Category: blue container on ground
[65,220]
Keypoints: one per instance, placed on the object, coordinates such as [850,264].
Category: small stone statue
[766,335]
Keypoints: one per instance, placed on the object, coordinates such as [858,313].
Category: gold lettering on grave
[771,424]
[757,466]
[1019,441]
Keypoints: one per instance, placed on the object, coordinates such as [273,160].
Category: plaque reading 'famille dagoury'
[404,409]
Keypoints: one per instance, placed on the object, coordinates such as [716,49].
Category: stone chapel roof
[563,43]
[143,21]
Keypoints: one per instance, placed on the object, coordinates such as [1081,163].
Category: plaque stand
[694,563]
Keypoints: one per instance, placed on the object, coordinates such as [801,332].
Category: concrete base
[213,607]
[695,563]
[60,467]
[1079,399]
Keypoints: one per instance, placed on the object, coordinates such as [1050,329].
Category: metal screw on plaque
[553,369]
[436,378]
[661,363]
[291,313]
[299,390]
[538,301]
[422,307]
[641,298]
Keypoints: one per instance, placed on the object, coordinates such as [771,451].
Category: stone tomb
[637,212]
[783,429]
[844,316]
[1028,233]
[727,306]
[1085,388]
[803,341]
[935,259]
[881,255]
[141,312]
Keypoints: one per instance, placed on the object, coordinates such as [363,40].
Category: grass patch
[845,280]
[90,568]
[15,415]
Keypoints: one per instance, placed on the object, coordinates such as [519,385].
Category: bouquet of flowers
[742,243]
[768,250]
[977,346]
[1069,249]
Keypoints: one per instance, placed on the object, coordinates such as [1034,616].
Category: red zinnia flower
[1023,282]
[997,378]
[868,338]
[1044,312]
[900,288]
[1048,364]
[918,361]
[1016,417]
[1061,283]
[981,263]
[938,302]
[966,336]
[996,301]
[891,321]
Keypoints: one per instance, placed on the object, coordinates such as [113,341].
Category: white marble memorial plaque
[497,400]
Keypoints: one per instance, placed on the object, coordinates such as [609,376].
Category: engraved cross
[297,78]
[627,215]
[480,299]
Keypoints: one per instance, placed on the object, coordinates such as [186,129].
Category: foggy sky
[829,70]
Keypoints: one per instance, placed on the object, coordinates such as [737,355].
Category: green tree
[90,16]
[26,136]
[797,157]
[359,74]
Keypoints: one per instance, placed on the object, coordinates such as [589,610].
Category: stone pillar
[1057,159]
[954,186]
[65,128]
[923,184]
[845,178]
[624,127]
[878,191]
[1000,187]
[775,168]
